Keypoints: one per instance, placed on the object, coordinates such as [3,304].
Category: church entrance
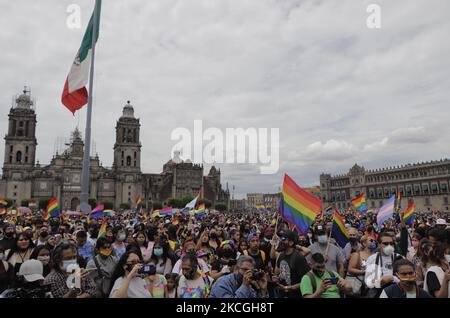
[74,203]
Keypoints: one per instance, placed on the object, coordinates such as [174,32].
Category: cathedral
[24,178]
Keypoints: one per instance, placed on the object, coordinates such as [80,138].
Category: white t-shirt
[375,272]
[136,289]
[203,266]
[440,276]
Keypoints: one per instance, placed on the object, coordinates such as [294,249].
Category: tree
[185,200]
[157,205]
[25,202]
[221,207]
[108,205]
[125,206]
[92,202]
[206,202]
[43,203]
[175,203]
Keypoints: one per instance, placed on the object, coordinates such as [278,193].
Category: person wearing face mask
[128,283]
[9,237]
[42,254]
[353,245]
[290,267]
[334,256]
[193,282]
[241,283]
[20,252]
[6,272]
[379,267]
[260,257]
[42,236]
[413,249]
[224,264]
[160,257]
[357,266]
[102,266]
[85,247]
[119,237]
[189,248]
[64,259]
[406,287]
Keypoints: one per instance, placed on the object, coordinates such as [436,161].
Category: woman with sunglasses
[357,265]
[128,283]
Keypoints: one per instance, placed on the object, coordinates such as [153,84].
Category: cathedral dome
[128,110]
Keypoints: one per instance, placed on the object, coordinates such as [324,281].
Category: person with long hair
[42,254]
[357,265]
[20,252]
[161,257]
[6,272]
[127,282]
[141,242]
[119,236]
[437,277]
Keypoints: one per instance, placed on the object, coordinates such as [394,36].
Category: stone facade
[426,182]
[22,178]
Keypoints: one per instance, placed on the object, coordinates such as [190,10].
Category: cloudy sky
[338,91]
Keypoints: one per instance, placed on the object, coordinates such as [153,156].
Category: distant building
[24,178]
[314,191]
[254,199]
[238,205]
[427,183]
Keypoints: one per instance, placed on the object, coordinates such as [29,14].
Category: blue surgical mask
[121,237]
[372,246]
[158,251]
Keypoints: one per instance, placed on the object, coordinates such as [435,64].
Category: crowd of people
[223,255]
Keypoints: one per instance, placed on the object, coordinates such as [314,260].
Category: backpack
[100,281]
[261,252]
[312,278]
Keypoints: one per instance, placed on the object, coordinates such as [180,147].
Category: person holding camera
[226,261]
[245,282]
[320,283]
[128,277]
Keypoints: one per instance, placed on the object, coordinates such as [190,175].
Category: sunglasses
[388,243]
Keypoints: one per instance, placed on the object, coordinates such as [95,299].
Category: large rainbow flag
[138,204]
[52,209]
[408,215]
[201,211]
[166,211]
[338,230]
[297,206]
[360,203]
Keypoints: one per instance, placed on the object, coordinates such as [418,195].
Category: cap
[441,222]
[289,235]
[32,270]
[252,235]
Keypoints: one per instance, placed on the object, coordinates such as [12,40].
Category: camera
[257,275]
[147,269]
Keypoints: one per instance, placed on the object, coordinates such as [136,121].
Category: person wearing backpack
[102,265]
[320,283]
[290,267]
[261,260]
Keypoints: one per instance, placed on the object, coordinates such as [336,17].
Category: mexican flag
[75,94]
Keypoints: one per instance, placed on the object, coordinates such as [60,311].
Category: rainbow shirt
[158,286]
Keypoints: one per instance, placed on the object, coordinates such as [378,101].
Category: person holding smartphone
[320,283]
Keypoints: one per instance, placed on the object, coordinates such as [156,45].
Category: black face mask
[44,234]
[318,273]
[9,234]
[190,274]
[227,253]
[94,233]
[239,278]
[352,240]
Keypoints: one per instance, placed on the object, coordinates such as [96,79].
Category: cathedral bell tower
[20,140]
[127,148]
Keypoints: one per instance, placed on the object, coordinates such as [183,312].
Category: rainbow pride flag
[52,209]
[408,215]
[138,204]
[102,231]
[155,214]
[399,199]
[261,208]
[3,205]
[360,203]
[166,211]
[200,212]
[297,206]
[97,212]
[338,230]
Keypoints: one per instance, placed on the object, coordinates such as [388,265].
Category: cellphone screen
[333,281]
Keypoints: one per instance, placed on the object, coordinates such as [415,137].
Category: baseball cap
[441,222]
[289,235]
[252,235]
[31,270]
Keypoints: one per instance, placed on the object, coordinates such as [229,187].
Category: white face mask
[322,239]
[66,264]
[388,250]
[1,256]
[447,257]
[44,259]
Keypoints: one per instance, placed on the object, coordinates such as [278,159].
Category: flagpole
[84,205]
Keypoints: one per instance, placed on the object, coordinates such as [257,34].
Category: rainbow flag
[338,230]
[52,209]
[175,221]
[360,203]
[98,211]
[138,204]
[399,199]
[102,231]
[261,208]
[3,205]
[166,211]
[408,215]
[200,212]
[298,206]
[155,214]
[386,211]
[32,204]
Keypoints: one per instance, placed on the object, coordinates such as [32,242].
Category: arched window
[128,161]
[19,156]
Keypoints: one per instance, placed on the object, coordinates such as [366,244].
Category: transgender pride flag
[386,211]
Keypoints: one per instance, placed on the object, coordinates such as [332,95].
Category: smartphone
[333,280]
